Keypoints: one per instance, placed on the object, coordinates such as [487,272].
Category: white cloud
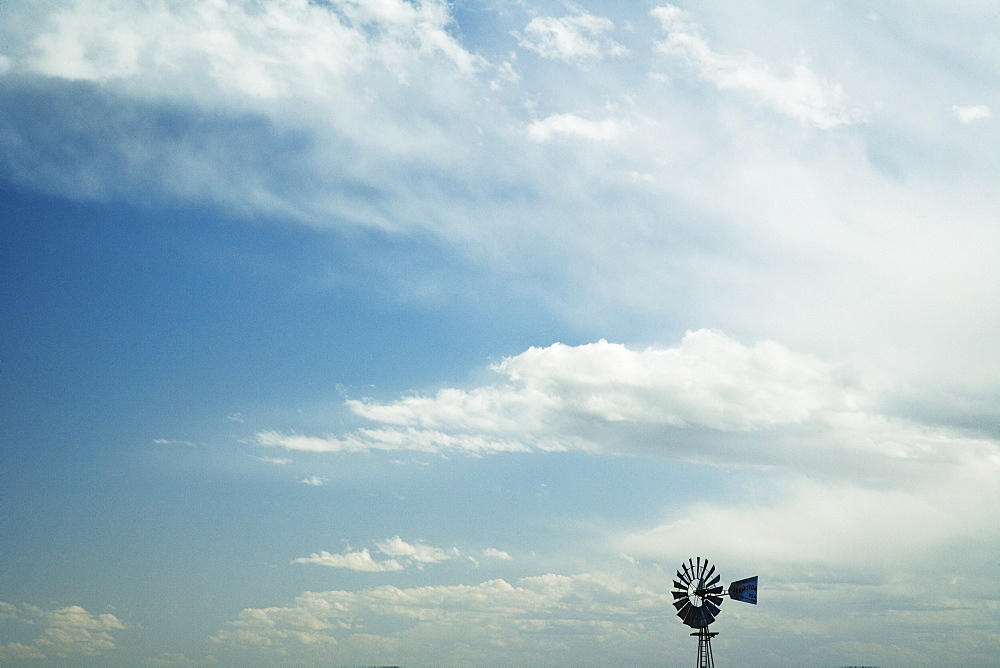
[494,553]
[571,38]
[971,114]
[281,461]
[803,96]
[545,619]
[355,561]
[684,402]
[260,50]
[405,554]
[622,618]
[571,125]
[314,481]
[833,527]
[67,631]
[425,554]
[367,440]
[171,441]
[307,80]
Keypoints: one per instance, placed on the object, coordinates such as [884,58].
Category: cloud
[67,631]
[275,460]
[571,38]
[404,553]
[571,125]
[425,554]
[389,440]
[494,553]
[544,619]
[849,485]
[971,114]
[616,618]
[803,96]
[191,101]
[837,527]
[179,660]
[260,50]
[171,441]
[709,399]
[355,561]
[314,481]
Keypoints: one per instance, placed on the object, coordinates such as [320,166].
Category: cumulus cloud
[845,477]
[67,631]
[685,402]
[536,620]
[971,114]
[570,38]
[803,95]
[611,619]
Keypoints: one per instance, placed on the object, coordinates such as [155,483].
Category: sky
[355,332]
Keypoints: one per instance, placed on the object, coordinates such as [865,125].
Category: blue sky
[385,332]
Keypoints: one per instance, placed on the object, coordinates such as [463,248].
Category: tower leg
[705,648]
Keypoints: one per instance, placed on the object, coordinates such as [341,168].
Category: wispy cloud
[367,440]
[355,561]
[275,460]
[173,441]
[803,95]
[315,481]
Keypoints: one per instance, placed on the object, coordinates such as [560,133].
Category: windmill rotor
[698,597]
[697,593]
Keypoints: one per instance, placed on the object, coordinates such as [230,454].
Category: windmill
[698,597]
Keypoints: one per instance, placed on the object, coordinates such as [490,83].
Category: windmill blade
[691,616]
[680,603]
[712,608]
[698,571]
[715,600]
[678,585]
[714,590]
[710,571]
[711,583]
[701,618]
[678,595]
